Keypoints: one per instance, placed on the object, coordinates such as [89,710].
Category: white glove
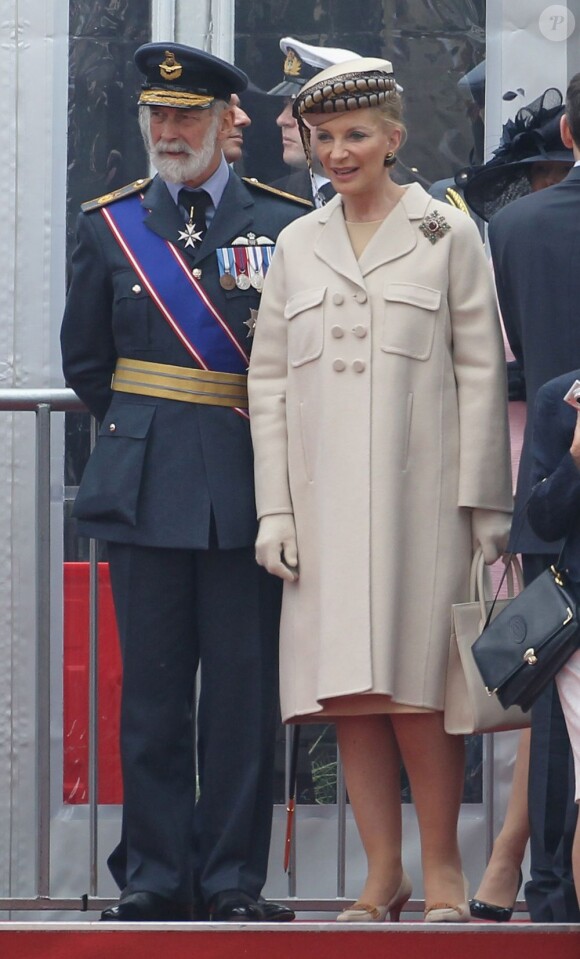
[490,530]
[276,547]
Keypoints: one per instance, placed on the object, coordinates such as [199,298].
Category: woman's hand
[276,547]
[575,448]
[490,530]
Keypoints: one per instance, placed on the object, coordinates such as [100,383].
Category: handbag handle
[477,585]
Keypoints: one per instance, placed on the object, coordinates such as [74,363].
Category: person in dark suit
[155,341]
[554,511]
[534,244]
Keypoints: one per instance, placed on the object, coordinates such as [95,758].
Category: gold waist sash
[180,383]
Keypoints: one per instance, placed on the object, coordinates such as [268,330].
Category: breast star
[251,323]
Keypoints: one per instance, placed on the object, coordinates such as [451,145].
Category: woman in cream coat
[378,412]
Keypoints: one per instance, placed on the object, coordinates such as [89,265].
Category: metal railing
[43,403]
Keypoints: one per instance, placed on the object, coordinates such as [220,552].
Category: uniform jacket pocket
[111,482]
[409,323]
[304,312]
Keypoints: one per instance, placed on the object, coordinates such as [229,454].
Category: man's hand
[490,530]
[276,547]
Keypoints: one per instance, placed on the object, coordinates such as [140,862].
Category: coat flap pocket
[128,420]
[423,296]
[302,301]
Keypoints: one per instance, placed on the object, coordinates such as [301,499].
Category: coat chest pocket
[304,312]
[131,312]
[111,482]
[409,322]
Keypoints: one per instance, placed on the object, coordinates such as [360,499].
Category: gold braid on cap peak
[347,91]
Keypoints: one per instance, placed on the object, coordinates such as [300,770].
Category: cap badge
[170,69]
[434,226]
[292,64]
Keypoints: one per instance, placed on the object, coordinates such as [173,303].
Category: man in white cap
[302,62]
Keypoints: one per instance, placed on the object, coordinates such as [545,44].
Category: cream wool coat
[379,417]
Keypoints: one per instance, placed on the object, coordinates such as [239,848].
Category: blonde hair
[391,112]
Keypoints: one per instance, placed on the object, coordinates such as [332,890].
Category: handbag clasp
[530,657]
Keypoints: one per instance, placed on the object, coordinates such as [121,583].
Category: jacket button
[112,427]
[337,332]
[136,288]
[360,297]
[360,331]
[359,366]
[337,299]
[339,365]
[196,272]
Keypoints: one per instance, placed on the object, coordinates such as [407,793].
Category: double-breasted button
[136,288]
[337,332]
[360,296]
[337,299]
[338,365]
[112,427]
[359,366]
[360,331]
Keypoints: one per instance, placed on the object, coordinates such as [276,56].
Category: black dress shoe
[486,910]
[233,905]
[147,907]
[275,911]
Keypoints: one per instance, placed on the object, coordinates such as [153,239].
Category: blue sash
[179,297]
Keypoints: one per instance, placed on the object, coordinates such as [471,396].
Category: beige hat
[351,85]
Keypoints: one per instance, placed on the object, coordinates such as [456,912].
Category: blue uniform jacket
[554,505]
[156,478]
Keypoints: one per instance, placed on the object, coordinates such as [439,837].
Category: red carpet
[300,940]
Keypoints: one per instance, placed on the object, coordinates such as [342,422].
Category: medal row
[244,266]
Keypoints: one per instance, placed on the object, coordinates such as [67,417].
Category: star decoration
[190,236]
[251,323]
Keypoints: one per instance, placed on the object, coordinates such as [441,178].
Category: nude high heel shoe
[445,912]
[363,912]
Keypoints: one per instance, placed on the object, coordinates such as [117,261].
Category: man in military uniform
[302,61]
[155,338]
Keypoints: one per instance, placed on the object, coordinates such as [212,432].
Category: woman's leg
[372,764]
[435,765]
[499,885]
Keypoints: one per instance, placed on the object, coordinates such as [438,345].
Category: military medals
[434,226]
[255,265]
[225,261]
[244,264]
[242,269]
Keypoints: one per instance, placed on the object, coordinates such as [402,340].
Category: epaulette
[135,187]
[455,199]
[272,189]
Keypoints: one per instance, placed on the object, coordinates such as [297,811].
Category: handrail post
[93,703]
[42,571]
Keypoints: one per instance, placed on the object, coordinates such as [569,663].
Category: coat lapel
[333,244]
[396,237]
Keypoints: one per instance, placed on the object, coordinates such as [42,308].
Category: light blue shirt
[215,186]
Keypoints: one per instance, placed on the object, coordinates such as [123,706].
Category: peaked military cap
[302,61]
[185,77]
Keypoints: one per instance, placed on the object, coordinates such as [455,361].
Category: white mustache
[175,146]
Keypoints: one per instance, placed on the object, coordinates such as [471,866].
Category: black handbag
[528,642]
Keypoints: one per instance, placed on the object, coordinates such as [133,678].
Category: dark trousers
[176,610]
[550,893]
